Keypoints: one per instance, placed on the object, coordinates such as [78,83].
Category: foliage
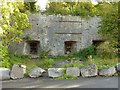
[27,37]
[60,57]
[109,22]
[84,53]
[47,63]
[83,9]
[106,50]
[108,13]
[65,77]
[57,8]
[102,62]
[118,73]
[73,64]
[13,23]
[26,75]
[31,7]
[4,56]
[44,54]
[25,60]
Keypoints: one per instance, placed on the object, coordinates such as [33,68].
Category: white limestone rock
[73,71]
[89,71]
[108,72]
[56,72]
[18,71]
[36,72]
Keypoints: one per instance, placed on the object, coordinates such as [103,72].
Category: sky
[42,3]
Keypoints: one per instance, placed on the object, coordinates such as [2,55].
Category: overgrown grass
[57,58]
[102,62]
[84,53]
[74,64]
[45,63]
[65,77]
[25,60]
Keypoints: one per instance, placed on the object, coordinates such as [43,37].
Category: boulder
[18,71]
[73,71]
[118,67]
[108,72]
[89,71]
[56,72]
[36,72]
[4,73]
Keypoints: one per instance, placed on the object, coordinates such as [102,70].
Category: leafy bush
[84,53]
[101,62]
[106,50]
[44,54]
[4,53]
[47,63]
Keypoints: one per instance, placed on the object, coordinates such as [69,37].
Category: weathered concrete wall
[53,31]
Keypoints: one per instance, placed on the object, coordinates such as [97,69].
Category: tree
[13,23]
[31,7]
[109,22]
[57,8]
[83,9]
[107,11]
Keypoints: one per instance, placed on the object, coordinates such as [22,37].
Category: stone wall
[53,31]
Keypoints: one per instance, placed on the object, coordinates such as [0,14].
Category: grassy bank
[46,63]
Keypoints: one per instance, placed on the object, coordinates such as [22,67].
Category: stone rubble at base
[18,72]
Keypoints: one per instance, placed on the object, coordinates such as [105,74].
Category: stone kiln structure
[59,34]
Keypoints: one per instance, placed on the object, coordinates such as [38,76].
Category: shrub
[106,50]
[47,63]
[44,54]
[84,53]
[4,53]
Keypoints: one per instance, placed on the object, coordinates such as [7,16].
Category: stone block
[108,72]
[18,71]
[89,71]
[36,72]
[56,72]
[73,71]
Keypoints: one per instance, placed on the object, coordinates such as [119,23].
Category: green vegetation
[108,12]
[30,7]
[44,54]
[108,27]
[84,53]
[47,63]
[100,62]
[15,20]
[65,77]
[83,9]
[106,50]
[118,73]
